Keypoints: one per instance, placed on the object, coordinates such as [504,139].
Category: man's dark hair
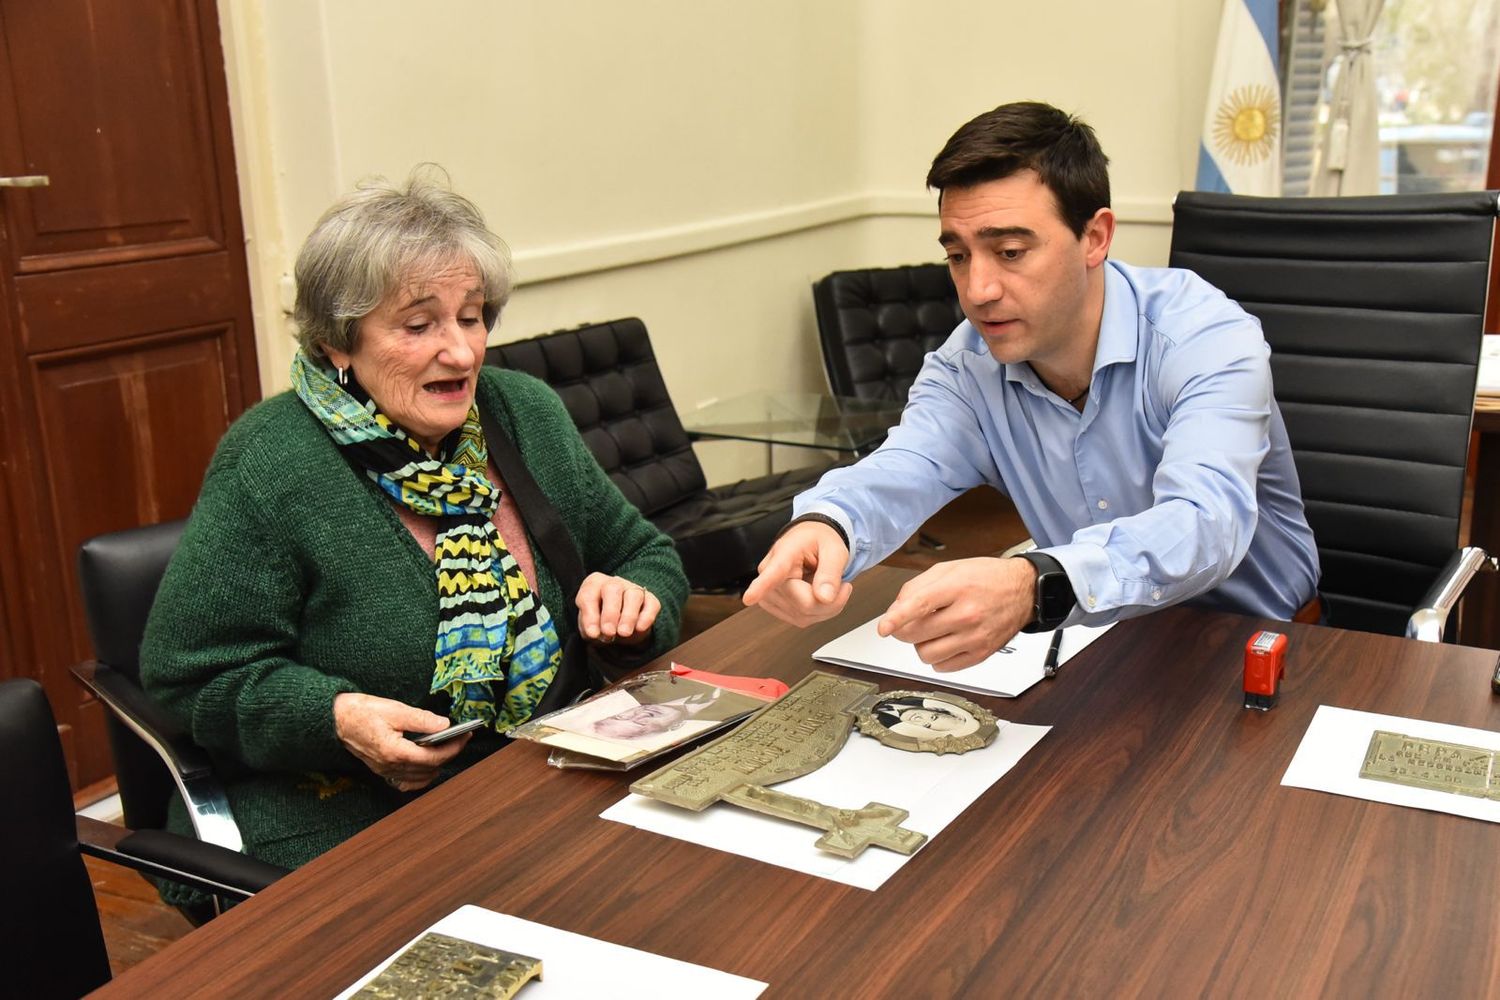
[1028,135]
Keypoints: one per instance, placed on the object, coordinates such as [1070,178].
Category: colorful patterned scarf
[483,624]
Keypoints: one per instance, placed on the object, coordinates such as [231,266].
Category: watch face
[1054,598]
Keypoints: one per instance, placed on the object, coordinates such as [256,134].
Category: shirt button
[1156,594]
[1104,504]
[1092,600]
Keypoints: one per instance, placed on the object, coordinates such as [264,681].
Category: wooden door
[126,345]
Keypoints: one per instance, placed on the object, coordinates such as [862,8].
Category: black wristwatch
[1054,599]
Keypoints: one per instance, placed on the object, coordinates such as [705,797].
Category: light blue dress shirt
[1175,482]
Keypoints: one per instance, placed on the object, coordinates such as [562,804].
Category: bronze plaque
[796,735]
[436,965]
[1420,763]
[791,737]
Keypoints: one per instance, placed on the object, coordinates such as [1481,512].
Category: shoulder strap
[540,515]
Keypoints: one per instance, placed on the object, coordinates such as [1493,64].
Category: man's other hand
[958,613]
[801,578]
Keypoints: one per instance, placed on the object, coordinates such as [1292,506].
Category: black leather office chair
[51,944]
[49,925]
[1373,308]
[607,376]
[154,758]
[877,324]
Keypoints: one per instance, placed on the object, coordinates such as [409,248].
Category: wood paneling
[101,305]
[155,410]
[122,125]
[150,412]
[126,345]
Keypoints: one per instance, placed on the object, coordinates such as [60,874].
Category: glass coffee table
[799,419]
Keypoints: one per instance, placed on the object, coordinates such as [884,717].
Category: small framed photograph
[642,717]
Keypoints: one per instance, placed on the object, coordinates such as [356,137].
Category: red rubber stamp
[1265,666]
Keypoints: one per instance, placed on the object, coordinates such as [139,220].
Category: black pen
[1049,665]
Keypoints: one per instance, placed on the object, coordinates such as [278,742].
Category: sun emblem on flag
[1246,124]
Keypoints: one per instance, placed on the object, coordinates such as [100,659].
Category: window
[1435,66]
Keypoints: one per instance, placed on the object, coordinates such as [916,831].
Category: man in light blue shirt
[1126,411]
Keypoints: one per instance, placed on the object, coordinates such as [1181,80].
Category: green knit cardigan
[295,581]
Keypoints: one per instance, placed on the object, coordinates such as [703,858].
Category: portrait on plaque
[927,721]
[644,715]
[924,718]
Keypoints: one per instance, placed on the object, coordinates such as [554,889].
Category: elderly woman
[357,569]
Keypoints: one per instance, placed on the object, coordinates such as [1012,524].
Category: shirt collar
[1118,331]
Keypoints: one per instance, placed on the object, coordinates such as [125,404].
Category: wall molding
[552,263]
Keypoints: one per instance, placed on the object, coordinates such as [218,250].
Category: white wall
[697,163]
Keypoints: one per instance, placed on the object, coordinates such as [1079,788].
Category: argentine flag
[1241,148]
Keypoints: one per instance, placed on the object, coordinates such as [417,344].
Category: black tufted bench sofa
[607,376]
[876,325]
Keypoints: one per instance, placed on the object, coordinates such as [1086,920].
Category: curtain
[1348,156]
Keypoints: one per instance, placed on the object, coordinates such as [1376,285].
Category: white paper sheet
[1333,750]
[1007,673]
[575,967]
[1489,367]
[934,789]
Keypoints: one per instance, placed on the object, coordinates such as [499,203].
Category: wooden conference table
[1145,846]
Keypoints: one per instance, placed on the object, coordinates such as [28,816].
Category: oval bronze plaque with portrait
[927,721]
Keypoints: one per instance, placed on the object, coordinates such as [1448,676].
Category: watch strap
[818,519]
[1043,562]
[1054,592]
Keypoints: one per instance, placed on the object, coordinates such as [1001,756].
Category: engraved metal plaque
[791,737]
[928,722]
[1432,764]
[436,965]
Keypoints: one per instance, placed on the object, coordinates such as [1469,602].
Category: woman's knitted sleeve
[218,644]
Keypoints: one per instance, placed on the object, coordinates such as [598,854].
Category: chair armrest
[207,867]
[144,717]
[1431,617]
[190,767]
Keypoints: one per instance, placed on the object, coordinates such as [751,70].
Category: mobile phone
[444,735]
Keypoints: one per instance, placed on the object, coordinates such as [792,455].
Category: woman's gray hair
[381,236]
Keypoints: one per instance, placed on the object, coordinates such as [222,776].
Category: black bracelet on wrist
[818,519]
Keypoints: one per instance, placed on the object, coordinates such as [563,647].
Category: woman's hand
[612,609]
[373,729]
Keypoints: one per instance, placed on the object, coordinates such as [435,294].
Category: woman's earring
[343,376]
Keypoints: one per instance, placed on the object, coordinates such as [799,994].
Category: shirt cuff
[1101,594]
[1088,571]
